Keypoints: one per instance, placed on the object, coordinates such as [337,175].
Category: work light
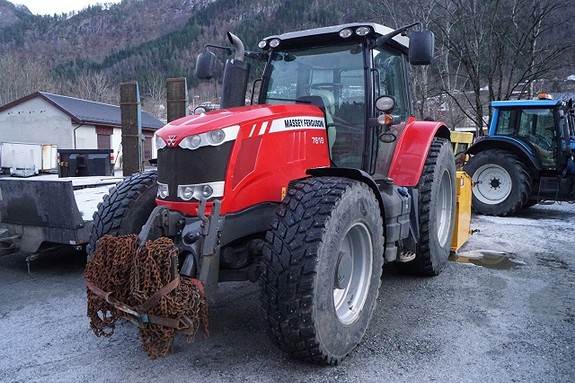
[345,33]
[274,43]
[362,31]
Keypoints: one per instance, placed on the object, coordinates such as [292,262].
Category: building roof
[524,103]
[86,111]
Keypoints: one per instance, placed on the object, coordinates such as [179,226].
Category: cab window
[391,70]
[334,74]
[504,124]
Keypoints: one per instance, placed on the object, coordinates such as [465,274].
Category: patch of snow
[87,200]
[571,77]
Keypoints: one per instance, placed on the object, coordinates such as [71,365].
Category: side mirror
[421,46]
[385,104]
[206,65]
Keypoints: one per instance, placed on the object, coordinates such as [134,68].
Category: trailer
[46,211]
[26,159]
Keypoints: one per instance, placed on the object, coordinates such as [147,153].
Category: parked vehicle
[310,193]
[525,158]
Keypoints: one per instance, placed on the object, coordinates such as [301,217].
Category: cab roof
[525,103]
[378,30]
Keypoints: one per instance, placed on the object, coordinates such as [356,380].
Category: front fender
[412,149]
[510,144]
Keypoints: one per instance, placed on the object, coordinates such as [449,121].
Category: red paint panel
[262,161]
[411,151]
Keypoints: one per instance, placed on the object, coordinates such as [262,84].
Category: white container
[21,156]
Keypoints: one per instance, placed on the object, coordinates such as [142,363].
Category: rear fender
[510,144]
[412,148]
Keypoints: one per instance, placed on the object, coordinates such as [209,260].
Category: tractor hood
[174,132]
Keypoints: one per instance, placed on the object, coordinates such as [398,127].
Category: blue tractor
[527,157]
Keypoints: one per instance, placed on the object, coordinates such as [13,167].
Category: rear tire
[125,209]
[437,201]
[317,303]
[501,183]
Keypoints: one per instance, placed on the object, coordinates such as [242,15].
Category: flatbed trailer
[46,211]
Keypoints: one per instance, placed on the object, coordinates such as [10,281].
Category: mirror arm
[228,50]
[381,40]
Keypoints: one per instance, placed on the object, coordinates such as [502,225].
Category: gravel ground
[511,322]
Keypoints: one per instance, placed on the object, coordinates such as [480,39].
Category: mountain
[148,40]
[87,53]
[11,14]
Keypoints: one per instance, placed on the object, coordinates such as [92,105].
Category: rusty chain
[132,276]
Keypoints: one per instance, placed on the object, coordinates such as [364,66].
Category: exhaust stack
[236,74]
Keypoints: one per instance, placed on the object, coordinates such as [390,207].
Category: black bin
[84,162]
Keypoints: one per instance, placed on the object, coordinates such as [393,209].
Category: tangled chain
[132,275]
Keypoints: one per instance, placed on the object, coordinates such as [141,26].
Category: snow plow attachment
[34,212]
[141,284]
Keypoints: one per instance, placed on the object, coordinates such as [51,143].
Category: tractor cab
[527,155]
[344,70]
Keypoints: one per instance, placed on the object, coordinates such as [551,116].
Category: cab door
[390,78]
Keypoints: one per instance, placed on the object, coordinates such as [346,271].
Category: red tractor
[310,189]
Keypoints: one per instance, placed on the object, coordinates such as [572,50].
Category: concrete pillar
[130,108]
[177,98]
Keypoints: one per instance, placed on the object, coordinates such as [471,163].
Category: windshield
[336,76]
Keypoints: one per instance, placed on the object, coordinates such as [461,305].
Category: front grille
[177,166]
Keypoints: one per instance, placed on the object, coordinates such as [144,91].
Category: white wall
[86,137]
[36,122]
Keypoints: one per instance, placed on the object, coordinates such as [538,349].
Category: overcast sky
[43,7]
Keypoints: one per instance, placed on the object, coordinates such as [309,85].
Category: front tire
[437,201]
[125,209]
[321,269]
[501,183]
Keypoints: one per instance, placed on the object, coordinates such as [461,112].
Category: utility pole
[131,111]
[176,98]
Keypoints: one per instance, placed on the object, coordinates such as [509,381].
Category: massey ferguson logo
[172,140]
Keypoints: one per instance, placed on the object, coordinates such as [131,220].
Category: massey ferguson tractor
[527,158]
[309,190]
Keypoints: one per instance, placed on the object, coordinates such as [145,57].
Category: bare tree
[20,77]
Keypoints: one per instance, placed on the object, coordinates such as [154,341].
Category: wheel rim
[491,184]
[445,208]
[353,273]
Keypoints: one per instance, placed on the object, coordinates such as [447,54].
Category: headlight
[362,31]
[207,191]
[211,138]
[191,142]
[274,43]
[262,44]
[160,143]
[201,191]
[163,191]
[345,33]
[216,137]
[186,193]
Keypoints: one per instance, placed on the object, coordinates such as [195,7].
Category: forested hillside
[89,52]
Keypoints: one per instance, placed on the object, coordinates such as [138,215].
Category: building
[69,123]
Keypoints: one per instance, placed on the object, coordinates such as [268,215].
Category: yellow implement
[462,229]
[461,141]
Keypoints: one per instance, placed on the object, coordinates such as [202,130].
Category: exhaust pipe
[236,74]
[238,45]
